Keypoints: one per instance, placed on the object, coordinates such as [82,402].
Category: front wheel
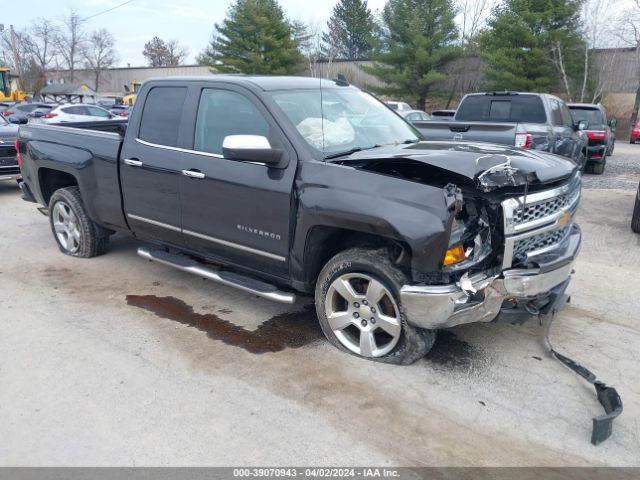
[76,234]
[357,302]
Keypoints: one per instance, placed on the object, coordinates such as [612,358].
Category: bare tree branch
[99,54]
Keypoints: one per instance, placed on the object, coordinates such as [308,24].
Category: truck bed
[88,151]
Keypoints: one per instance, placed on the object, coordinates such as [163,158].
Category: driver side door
[235,210]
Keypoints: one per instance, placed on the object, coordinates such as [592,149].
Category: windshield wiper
[349,152]
[410,140]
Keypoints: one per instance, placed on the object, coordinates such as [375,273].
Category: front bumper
[513,294]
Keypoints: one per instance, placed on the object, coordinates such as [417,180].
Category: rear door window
[75,110]
[97,112]
[502,108]
[161,115]
[556,115]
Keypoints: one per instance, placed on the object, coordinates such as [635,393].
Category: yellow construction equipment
[132,93]
[6,95]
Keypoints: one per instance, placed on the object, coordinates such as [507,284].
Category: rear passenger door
[562,127]
[150,165]
[237,211]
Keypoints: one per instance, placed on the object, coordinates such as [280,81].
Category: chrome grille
[538,243]
[545,208]
[541,225]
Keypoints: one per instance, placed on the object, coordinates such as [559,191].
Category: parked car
[40,111]
[414,115]
[635,217]
[4,106]
[19,112]
[279,184]
[635,133]
[76,112]
[399,106]
[443,115]
[9,169]
[120,110]
[534,121]
[600,133]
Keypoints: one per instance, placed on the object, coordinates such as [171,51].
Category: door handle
[193,174]
[132,162]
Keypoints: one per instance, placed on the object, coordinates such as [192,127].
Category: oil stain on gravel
[451,352]
[287,330]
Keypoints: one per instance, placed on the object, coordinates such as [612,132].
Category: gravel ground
[116,361]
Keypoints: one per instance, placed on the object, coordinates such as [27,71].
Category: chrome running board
[241,282]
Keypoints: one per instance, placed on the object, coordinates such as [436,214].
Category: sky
[191,22]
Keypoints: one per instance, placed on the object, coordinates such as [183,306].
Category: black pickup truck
[534,121]
[275,186]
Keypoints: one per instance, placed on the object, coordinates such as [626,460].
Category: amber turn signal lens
[454,255]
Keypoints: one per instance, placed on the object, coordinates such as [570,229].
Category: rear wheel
[598,168]
[76,234]
[632,141]
[358,306]
[635,218]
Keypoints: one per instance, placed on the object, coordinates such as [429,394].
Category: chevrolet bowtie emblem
[564,219]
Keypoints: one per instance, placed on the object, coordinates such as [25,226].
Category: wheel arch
[51,180]
[324,242]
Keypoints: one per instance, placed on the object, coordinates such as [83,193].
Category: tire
[598,168]
[613,146]
[360,273]
[635,218]
[582,162]
[76,234]
[632,141]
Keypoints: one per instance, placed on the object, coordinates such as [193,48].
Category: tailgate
[500,133]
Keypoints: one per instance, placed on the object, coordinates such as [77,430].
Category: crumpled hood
[489,166]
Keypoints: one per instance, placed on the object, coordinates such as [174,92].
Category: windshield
[592,116]
[348,120]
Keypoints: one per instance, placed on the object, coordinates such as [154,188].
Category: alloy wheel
[65,225]
[363,314]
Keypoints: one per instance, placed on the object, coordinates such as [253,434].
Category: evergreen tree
[532,45]
[418,38]
[255,37]
[352,30]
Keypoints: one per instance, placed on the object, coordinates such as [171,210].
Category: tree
[629,33]
[176,53]
[307,36]
[418,38]
[255,37]
[597,18]
[41,42]
[351,30]
[99,54]
[156,52]
[532,44]
[473,16]
[69,41]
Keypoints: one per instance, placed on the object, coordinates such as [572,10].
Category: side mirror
[252,148]
[612,123]
[582,125]
[17,120]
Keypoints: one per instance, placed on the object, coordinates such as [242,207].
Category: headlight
[470,240]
